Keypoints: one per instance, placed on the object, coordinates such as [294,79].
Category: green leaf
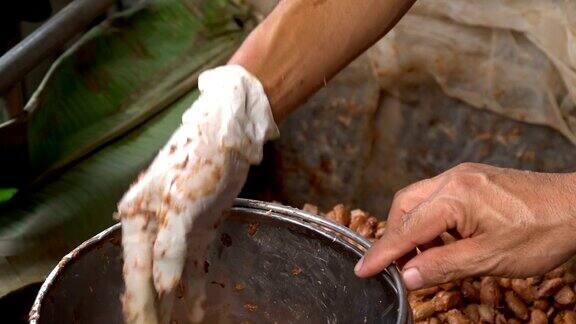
[124,71]
[102,113]
[7,193]
[38,228]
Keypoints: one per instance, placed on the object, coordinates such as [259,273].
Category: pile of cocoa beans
[546,299]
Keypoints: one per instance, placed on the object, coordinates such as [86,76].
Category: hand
[176,204]
[511,223]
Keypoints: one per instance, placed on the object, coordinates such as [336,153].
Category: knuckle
[459,183]
[399,230]
[449,207]
[466,166]
[469,175]
[401,201]
[444,269]
[469,181]
[400,194]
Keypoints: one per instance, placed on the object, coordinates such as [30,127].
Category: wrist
[232,111]
[258,61]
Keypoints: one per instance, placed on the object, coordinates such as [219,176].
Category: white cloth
[177,201]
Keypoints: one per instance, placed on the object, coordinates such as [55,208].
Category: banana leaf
[120,74]
[101,114]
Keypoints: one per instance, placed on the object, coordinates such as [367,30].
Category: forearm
[304,43]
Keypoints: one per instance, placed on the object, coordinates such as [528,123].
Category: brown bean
[514,321]
[357,218]
[500,318]
[476,284]
[447,286]
[340,215]
[368,228]
[471,311]
[557,273]
[312,209]
[423,310]
[541,304]
[524,289]
[565,296]
[565,317]
[486,313]
[469,291]
[414,299]
[445,300]
[504,282]
[516,305]
[434,320]
[447,238]
[455,316]
[537,316]
[569,277]
[424,292]
[534,281]
[380,229]
[549,287]
[490,293]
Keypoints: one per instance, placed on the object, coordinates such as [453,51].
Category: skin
[511,223]
[499,213]
[303,43]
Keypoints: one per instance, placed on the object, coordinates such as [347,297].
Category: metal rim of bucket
[271,210]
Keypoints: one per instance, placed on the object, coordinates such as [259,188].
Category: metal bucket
[269,264]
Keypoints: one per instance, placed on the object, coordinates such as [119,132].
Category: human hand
[175,204]
[512,223]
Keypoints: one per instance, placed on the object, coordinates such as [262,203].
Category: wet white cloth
[175,204]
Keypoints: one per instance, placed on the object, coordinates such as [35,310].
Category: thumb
[439,265]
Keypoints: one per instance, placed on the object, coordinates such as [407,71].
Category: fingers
[410,197]
[169,256]
[169,252]
[419,227]
[438,265]
[138,233]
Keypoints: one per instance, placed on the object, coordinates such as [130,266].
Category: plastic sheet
[513,57]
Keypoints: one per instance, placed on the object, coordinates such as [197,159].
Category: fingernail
[412,278]
[359,265]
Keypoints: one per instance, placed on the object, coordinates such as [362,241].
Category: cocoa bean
[504,282]
[423,310]
[557,273]
[470,292]
[490,293]
[549,287]
[455,316]
[565,296]
[524,289]
[380,229]
[340,215]
[541,304]
[565,317]
[516,305]
[487,314]
[471,311]
[537,316]
[312,209]
[445,300]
